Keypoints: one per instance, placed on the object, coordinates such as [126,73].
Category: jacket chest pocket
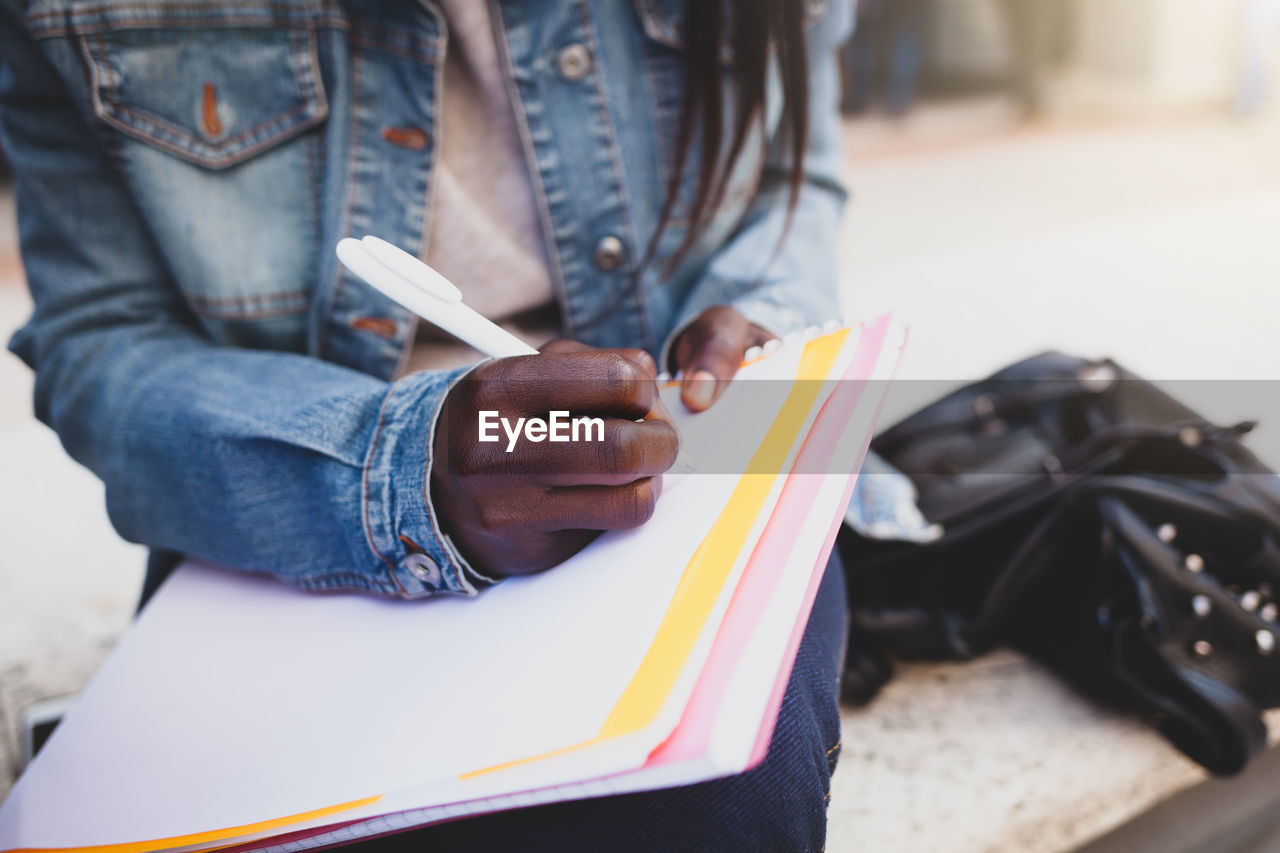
[215,97]
[213,114]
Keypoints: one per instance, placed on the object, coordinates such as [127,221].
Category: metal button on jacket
[608,253]
[423,568]
[574,62]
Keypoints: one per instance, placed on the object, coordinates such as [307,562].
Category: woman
[657,177]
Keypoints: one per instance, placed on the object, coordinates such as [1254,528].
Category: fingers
[602,383]
[638,357]
[630,451]
[612,453]
[512,490]
[601,507]
[709,352]
[546,551]
[565,345]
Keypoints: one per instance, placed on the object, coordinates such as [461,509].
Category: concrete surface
[1154,244]
[1236,815]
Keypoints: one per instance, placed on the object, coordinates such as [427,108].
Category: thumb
[709,353]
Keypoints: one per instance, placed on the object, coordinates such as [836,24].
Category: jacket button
[423,568]
[574,62]
[608,254]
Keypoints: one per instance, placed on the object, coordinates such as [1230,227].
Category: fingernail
[700,388]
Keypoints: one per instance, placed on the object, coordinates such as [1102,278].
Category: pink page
[797,633]
[692,735]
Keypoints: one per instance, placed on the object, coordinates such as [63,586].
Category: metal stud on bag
[1203,648]
[1201,605]
[1250,601]
[1266,641]
[985,410]
[1053,465]
[1194,563]
[1269,612]
[1096,378]
[1166,533]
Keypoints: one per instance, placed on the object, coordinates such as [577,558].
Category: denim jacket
[184,169]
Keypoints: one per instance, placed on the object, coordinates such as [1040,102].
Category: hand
[709,351]
[534,507]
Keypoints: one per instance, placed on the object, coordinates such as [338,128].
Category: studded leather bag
[1093,521]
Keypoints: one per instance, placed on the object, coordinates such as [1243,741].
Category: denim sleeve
[783,285]
[267,461]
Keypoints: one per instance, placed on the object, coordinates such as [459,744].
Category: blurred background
[1097,176]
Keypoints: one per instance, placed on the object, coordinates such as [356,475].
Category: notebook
[238,712]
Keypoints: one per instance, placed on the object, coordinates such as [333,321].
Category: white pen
[402,277]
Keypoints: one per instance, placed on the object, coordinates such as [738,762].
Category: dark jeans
[780,805]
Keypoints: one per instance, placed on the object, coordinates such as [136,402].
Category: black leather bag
[1096,523]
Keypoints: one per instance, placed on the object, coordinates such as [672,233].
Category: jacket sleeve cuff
[399,519]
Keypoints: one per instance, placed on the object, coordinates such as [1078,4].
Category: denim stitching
[250,307]
[833,757]
[660,126]
[401,43]
[391,48]
[108,16]
[535,171]
[311,147]
[308,48]
[96,83]
[71,29]
[344,581]
[659,29]
[181,142]
[110,142]
[368,531]
[419,210]
[657,70]
[106,8]
[432,518]
[615,168]
[421,237]
[175,135]
[285,296]
[329,578]
[353,148]
[251,314]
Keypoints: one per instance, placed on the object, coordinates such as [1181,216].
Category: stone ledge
[995,755]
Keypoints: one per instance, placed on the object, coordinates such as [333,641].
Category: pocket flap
[214,96]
